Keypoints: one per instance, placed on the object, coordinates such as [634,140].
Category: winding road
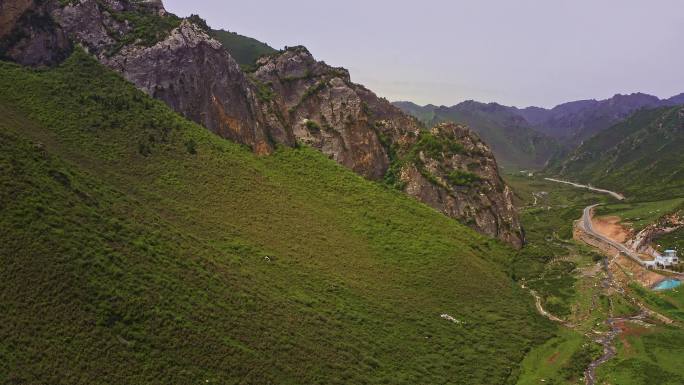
[588,227]
[615,195]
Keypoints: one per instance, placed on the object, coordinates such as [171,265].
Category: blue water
[668,284]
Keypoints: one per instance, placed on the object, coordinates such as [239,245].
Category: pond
[667,284]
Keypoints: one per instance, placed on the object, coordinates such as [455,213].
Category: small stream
[607,340]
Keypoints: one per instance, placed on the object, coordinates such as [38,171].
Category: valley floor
[608,322]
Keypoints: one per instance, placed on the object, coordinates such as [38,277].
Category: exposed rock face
[371,136]
[329,112]
[453,171]
[10,13]
[29,36]
[187,69]
[289,98]
[194,75]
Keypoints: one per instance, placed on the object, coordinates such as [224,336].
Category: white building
[667,259]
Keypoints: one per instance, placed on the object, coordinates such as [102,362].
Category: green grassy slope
[641,156]
[136,247]
[245,50]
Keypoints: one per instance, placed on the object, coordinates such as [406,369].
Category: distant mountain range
[530,137]
[576,121]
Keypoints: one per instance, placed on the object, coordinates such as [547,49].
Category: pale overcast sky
[516,52]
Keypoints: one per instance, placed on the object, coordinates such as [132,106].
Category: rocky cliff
[29,35]
[452,170]
[448,167]
[327,111]
[289,98]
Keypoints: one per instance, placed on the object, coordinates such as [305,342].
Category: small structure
[667,259]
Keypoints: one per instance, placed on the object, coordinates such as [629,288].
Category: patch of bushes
[200,22]
[264,91]
[463,178]
[580,360]
[191,147]
[148,28]
[435,146]
[312,126]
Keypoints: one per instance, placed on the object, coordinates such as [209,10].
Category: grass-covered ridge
[245,50]
[641,157]
[137,247]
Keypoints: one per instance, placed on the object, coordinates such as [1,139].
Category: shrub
[191,146]
[434,146]
[313,126]
[463,178]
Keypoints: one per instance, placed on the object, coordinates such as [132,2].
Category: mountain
[287,99]
[676,100]
[138,247]
[351,125]
[532,137]
[514,142]
[640,156]
[425,114]
[573,122]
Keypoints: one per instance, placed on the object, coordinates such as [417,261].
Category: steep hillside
[136,247]
[641,156]
[289,98]
[514,143]
[350,124]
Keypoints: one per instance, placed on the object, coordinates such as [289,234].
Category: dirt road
[617,196]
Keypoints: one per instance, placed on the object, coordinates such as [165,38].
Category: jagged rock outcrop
[452,170]
[29,36]
[193,74]
[448,168]
[184,67]
[327,111]
[289,98]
